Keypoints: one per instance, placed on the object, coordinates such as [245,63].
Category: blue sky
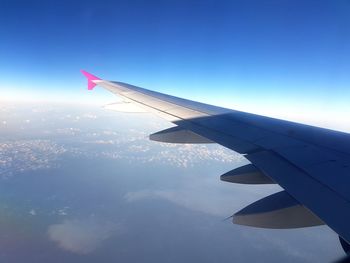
[280,58]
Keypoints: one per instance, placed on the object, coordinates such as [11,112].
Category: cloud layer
[82,236]
[24,155]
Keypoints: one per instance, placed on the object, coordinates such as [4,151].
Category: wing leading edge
[312,164]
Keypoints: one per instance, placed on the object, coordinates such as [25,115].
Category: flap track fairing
[247,174]
[178,135]
[277,211]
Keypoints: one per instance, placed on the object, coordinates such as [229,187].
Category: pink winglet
[90,79]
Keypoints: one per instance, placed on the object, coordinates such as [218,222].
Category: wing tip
[90,78]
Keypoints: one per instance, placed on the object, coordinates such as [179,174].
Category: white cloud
[89,116]
[217,206]
[102,142]
[206,196]
[82,236]
[32,212]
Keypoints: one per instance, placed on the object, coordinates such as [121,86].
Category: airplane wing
[311,164]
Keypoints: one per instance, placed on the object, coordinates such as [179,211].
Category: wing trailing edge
[125,106]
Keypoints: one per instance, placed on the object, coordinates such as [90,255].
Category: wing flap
[326,166]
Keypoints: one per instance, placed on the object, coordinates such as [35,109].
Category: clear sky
[281,58]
